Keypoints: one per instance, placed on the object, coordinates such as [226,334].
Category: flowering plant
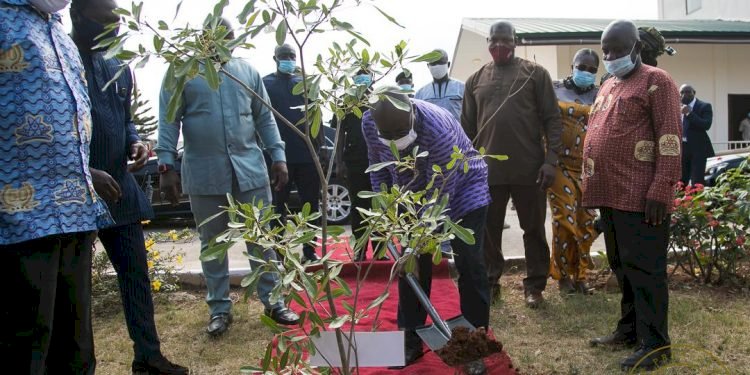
[710,228]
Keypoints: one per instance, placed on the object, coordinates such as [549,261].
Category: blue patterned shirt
[437,133]
[45,129]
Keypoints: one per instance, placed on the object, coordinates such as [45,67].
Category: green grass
[550,340]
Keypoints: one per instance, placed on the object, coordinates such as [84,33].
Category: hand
[655,212]
[546,176]
[685,109]
[139,154]
[279,175]
[105,185]
[168,183]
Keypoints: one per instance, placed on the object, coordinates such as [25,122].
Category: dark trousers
[693,166]
[305,178]
[531,207]
[358,181]
[46,316]
[127,252]
[472,280]
[637,254]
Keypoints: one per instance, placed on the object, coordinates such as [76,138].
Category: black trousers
[305,178]
[46,316]
[127,252]
[637,254]
[531,207]
[358,181]
[693,166]
[472,280]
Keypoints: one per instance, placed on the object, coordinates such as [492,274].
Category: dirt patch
[466,346]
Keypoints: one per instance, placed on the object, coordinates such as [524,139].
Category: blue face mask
[583,79]
[362,79]
[287,66]
[406,87]
[622,66]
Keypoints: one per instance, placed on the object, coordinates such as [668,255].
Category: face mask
[49,6]
[583,79]
[501,54]
[406,87]
[287,66]
[86,31]
[403,142]
[362,79]
[622,66]
[438,71]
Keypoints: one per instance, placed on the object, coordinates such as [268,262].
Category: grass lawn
[704,322]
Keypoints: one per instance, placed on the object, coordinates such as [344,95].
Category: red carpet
[444,297]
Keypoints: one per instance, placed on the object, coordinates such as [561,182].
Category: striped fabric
[45,129]
[437,132]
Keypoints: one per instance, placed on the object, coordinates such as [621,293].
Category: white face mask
[438,71]
[403,142]
[49,6]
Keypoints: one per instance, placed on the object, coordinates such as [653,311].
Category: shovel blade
[459,321]
[435,339]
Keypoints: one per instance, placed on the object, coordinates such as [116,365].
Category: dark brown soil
[467,346]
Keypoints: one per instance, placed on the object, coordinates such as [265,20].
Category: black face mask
[86,31]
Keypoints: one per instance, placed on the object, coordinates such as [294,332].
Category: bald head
[620,38]
[284,51]
[503,27]
[687,93]
[392,122]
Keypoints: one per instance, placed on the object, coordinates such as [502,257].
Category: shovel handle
[423,299]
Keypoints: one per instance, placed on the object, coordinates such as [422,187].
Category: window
[692,6]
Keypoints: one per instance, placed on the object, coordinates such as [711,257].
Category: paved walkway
[512,246]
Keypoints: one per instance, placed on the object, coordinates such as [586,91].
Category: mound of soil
[466,346]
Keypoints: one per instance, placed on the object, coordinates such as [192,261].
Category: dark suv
[339,201]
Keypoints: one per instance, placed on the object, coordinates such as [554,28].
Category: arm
[701,119]
[169,132]
[469,109]
[265,124]
[549,113]
[665,114]
[373,153]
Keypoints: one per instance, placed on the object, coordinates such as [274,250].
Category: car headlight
[716,168]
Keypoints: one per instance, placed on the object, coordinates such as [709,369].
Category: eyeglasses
[586,68]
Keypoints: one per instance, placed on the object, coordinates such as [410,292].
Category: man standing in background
[510,108]
[697,117]
[114,140]
[49,210]
[299,161]
[443,91]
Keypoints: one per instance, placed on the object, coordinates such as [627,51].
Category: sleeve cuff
[278,155]
[133,139]
[661,192]
[165,157]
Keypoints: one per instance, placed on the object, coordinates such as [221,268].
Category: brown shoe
[534,300]
[566,286]
[583,287]
[616,339]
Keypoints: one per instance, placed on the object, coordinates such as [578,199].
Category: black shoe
[283,315]
[475,368]
[310,258]
[534,300]
[566,286]
[496,294]
[158,366]
[647,359]
[613,340]
[219,323]
[412,349]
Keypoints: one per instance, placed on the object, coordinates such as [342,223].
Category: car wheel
[339,204]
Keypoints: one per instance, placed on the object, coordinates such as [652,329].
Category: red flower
[677,202]
[740,240]
[699,187]
[713,223]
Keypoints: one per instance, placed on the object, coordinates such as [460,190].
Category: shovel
[437,334]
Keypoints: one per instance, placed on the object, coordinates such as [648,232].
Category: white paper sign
[374,349]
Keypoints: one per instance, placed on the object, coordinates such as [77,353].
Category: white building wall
[709,9]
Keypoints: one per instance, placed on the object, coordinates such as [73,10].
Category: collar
[692,103]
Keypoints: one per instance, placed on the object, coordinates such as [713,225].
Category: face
[586,63]
[405,81]
[615,46]
[502,36]
[285,55]
[398,127]
[100,11]
[687,94]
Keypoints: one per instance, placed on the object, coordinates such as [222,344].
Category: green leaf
[466,167]
[339,321]
[298,88]
[249,8]
[212,77]
[365,57]
[378,301]
[336,230]
[498,157]
[158,43]
[429,57]
[358,36]
[436,168]
[388,17]
[402,105]
[249,279]
[177,10]
[281,32]
[304,238]
[378,166]
[462,233]
[219,8]
[121,12]
[215,252]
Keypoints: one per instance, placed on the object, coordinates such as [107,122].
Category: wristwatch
[163,168]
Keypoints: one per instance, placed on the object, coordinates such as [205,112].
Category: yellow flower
[145,222]
[150,244]
[150,264]
[179,259]
[156,285]
[155,254]
[173,236]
